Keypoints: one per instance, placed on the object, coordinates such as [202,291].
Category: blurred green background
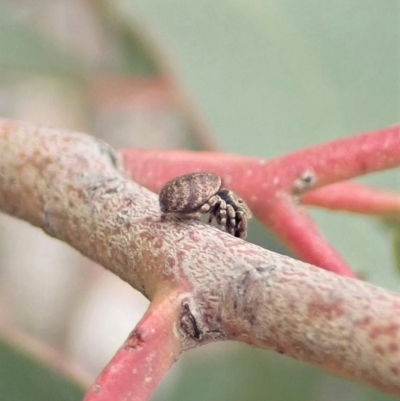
[254,77]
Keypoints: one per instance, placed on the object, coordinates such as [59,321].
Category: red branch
[354,197]
[148,353]
[274,187]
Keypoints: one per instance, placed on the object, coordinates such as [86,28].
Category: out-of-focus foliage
[274,76]
[22,378]
[396,247]
[231,372]
[24,50]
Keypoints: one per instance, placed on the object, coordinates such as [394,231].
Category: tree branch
[73,187]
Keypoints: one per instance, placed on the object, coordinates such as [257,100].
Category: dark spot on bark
[379,350]
[242,284]
[250,317]
[279,349]
[244,306]
[394,370]
[142,289]
[104,186]
[261,269]
[245,277]
[304,182]
[189,324]
[135,340]
[108,151]
[393,347]
[111,190]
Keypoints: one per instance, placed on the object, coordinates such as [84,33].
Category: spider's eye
[240,200]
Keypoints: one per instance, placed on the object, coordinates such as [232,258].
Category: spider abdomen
[188,193]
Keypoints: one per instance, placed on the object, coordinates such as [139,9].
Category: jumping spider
[197,193]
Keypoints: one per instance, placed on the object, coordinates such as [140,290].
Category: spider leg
[221,214]
[231,222]
[241,226]
[213,213]
[213,202]
[205,208]
[210,204]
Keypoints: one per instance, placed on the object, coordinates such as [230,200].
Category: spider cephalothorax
[197,193]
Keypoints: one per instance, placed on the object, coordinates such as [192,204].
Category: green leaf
[275,76]
[395,234]
[23,49]
[24,378]
[232,372]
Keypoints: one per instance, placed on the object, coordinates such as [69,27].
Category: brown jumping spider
[197,193]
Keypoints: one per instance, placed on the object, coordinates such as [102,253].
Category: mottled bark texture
[73,187]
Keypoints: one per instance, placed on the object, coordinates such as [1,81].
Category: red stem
[141,363]
[295,228]
[354,197]
[332,162]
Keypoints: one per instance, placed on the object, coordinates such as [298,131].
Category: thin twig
[354,197]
